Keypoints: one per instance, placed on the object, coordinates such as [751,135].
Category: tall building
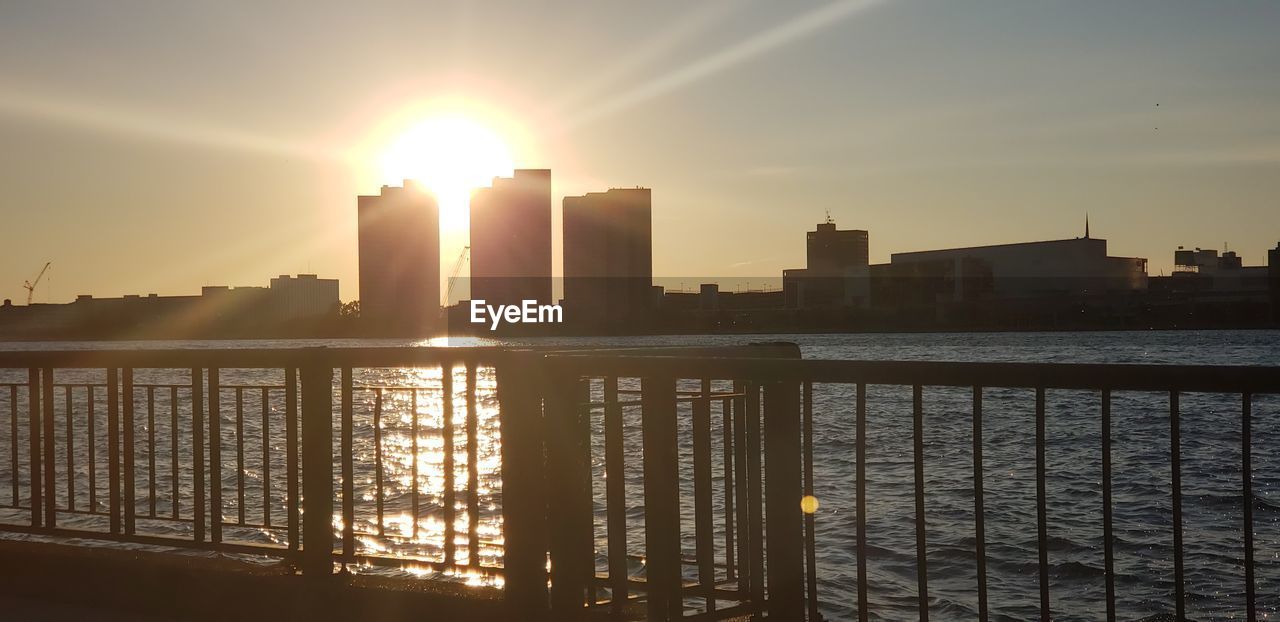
[511,239]
[835,272]
[608,256]
[400,259]
[833,252]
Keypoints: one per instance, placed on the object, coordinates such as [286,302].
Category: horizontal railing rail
[1128,377]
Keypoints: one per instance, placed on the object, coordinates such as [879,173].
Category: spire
[1086,225]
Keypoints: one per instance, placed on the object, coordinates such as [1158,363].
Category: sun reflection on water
[413,460]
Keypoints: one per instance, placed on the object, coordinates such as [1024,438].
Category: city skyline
[140,132]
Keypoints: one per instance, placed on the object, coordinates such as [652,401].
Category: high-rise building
[608,256]
[511,239]
[400,259]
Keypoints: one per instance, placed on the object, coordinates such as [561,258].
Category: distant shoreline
[511,335]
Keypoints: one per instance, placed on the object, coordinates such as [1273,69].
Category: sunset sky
[160,146]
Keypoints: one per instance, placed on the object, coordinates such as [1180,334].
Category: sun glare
[451,156]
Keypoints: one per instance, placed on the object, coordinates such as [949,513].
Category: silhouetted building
[608,256]
[928,282]
[1053,267]
[1273,281]
[220,304]
[835,272]
[1204,271]
[290,305]
[511,239]
[303,296]
[831,251]
[399,241]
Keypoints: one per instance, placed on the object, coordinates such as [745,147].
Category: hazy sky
[160,146]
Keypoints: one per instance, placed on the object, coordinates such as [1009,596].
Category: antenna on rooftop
[1086,225]
[829,221]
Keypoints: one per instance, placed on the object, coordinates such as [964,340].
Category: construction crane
[453,276]
[30,286]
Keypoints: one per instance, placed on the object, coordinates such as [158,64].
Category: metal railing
[178,462]
[765,561]
[572,539]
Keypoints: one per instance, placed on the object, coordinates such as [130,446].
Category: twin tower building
[607,243]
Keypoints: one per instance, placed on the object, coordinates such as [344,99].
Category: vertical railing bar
[1175,466]
[127,430]
[1107,533]
[151,450]
[979,513]
[810,551]
[615,494]
[91,439]
[413,433]
[215,457]
[447,448]
[1042,526]
[197,451]
[13,440]
[291,454]
[50,460]
[860,457]
[71,451]
[348,469]
[113,447]
[473,469]
[702,513]
[917,436]
[584,503]
[726,441]
[755,487]
[1246,473]
[377,455]
[266,457]
[743,502]
[240,456]
[33,455]
[175,506]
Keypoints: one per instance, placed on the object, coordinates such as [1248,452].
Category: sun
[450,155]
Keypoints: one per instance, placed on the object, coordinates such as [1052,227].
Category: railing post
[570,542]
[113,449]
[50,470]
[317,470]
[33,434]
[524,501]
[784,530]
[661,497]
[197,449]
[291,456]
